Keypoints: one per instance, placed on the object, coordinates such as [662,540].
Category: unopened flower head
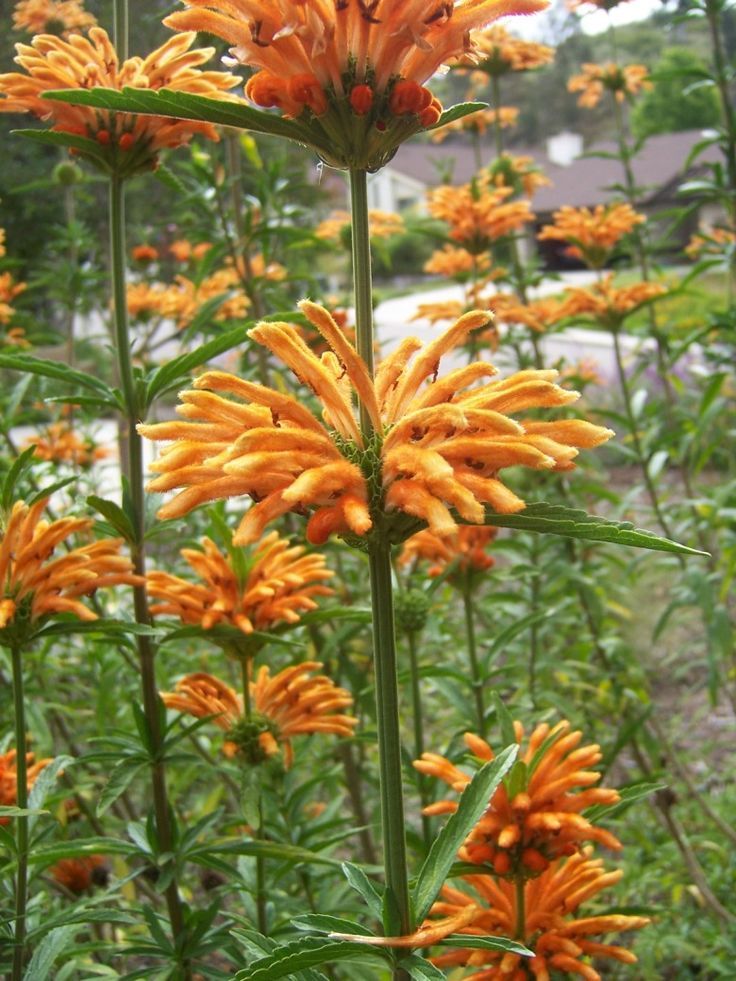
[9,777]
[63,17]
[124,143]
[352,73]
[535,815]
[545,923]
[593,234]
[290,703]
[622,81]
[434,443]
[478,213]
[35,585]
[276,584]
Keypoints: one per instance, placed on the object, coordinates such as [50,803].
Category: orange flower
[478,213]
[478,122]
[518,173]
[497,52]
[64,17]
[352,73]
[433,445]
[144,253]
[9,776]
[539,315]
[280,583]
[451,262]
[586,6]
[9,289]
[183,250]
[713,242]
[592,234]
[182,299]
[128,143]
[607,303]
[468,546]
[560,944]
[60,444]
[622,81]
[540,819]
[35,585]
[291,703]
[383,224]
[2,242]
[80,874]
[436,312]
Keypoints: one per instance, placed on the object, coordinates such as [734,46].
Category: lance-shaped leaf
[303,953]
[555,519]
[486,943]
[442,854]
[459,111]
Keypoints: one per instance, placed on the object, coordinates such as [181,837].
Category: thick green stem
[120,30]
[520,908]
[416,699]
[362,278]
[146,650]
[497,128]
[261,917]
[728,114]
[21,823]
[475,672]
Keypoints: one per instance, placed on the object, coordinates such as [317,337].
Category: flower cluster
[434,442]
[10,288]
[497,52]
[451,262]
[181,300]
[124,143]
[353,73]
[622,81]
[609,304]
[9,777]
[467,547]
[518,173]
[478,122]
[59,443]
[478,213]
[78,875]
[592,233]
[290,703]
[539,315]
[277,583]
[64,17]
[535,815]
[542,922]
[713,242]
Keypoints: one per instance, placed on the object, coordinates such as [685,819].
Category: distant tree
[679,100]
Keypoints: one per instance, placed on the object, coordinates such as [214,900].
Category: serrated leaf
[486,943]
[303,953]
[14,812]
[556,519]
[45,783]
[442,854]
[54,943]
[275,849]
[369,890]
[329,614]
[506,723]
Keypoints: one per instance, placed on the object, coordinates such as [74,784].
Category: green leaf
[45,783]
[90,148]
[115,515]
[274,849]
[329,614]
[459,111]
[369,890]
[28,364]
[16,812]
[486,943]
[420,969]
[175,371]
[302,953]
[123,774]
[629,795]
[508,733]
[442,854]
[78,848]
[322,923]
[555,519]
[113,628]
[53,944]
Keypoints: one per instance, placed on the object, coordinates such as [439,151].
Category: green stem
[21,800]
[362,278]
[721,73]
[520,908]
[146,650]
[475,672]
[416,698]
[497,128]
[120,30]
[261,917]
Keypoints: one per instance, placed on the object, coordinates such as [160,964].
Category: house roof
[588,180]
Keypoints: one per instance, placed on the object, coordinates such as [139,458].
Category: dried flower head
[351,73]
[124,143]
[9,777]
[467,548]
[544,924]
[64,17]
[535,815]
[290,703]
[36,585]
[276,584]
[435,443]
[592,234]
[478,213]
[622,81]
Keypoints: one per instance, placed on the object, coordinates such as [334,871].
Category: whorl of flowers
[78,875]
[535,815]
[478,213]
[546,923]
[478,122]
[9,290]
[715,241]
[181,300]
[290,703]
[518,173]
[37,585]
[59,443]
[451,262]
[125,143]
[622,81]
[351,73]
[592,233]
[9,777]
[467,548]
[607,303]
[436,443]
[278,584]
[497,52]
[64,17]
[539,315]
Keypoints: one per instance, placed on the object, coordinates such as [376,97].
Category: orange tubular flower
[125,144]
[525,829]
[383,224]
[592,235]
[35,585]
[478,213]
[433,445]
[144,253]
[468,546]
[291,703]
[353,73]
[539,315]
[622,81]
[183,250]
[544,925]
[181,300]
[715,241]
[478,122]
[518,173]
[279,584]
[64,17]
[9,776]
[9,289]
[607,303]
[60,444]
[497,52]
[450,263]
